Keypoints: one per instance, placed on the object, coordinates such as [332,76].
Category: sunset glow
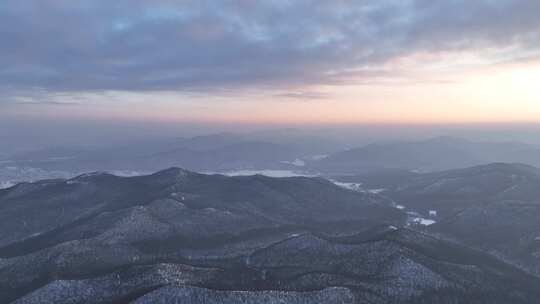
[418,68]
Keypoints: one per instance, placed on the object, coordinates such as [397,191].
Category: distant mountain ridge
[225,152]
[214,152]
[441,153]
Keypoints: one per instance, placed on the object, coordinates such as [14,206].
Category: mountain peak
[173,172]
[92,175]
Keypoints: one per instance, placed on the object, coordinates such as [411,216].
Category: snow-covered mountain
[177,235]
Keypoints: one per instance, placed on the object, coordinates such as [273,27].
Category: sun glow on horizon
[505,93]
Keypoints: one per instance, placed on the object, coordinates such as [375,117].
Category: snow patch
[356,187]
[376,191]
[423,221]
[350,186]
[35,234]
[5,185]
[176,194]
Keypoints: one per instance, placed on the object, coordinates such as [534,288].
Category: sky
[276,62]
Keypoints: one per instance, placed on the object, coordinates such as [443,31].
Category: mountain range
[494,208]
[215,152]
[441,153]
[177,235]
[311,155]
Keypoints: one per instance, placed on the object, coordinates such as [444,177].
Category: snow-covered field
[10,175]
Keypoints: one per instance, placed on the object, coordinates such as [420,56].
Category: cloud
[155,45]
[304,95]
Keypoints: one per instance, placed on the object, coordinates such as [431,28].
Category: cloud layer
[147,45]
